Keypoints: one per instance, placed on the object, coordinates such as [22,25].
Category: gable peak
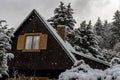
[34,10]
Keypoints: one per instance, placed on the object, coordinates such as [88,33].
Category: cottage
[42,51]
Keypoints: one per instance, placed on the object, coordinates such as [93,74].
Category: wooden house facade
[40,51]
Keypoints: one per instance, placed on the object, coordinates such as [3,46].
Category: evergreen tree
[83,26]
[5,39]
[98,28]
[105,23]
[103,35]
[116,23]
[89,26]
[69,20]
[63,16]
[60,16]
[86,40]
[116,19]
[109,39]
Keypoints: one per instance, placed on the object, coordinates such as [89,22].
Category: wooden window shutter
[21,42]
[43,41]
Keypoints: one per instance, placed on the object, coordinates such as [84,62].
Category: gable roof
[64,44]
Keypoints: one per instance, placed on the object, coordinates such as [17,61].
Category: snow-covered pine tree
[98,28]
[116,23]
[83,26]
[60,16]
[116,28]
[5,46]
[105,23]
[89,26]
[70,22]
[109,39]
[78,39]
[87,40]
[63,16]
[104,36]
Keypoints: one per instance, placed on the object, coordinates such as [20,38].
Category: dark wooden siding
[54,58]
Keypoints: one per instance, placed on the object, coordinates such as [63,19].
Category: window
[36,42]
[32,42]
[28,42]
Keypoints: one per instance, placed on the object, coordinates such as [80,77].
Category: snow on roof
[61,26]
[69,46]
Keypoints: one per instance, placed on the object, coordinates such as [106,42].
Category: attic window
[32,42]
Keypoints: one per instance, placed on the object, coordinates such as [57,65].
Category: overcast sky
[15,11]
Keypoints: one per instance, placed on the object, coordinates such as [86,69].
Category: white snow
[69,46]
[10,56]
[82,71]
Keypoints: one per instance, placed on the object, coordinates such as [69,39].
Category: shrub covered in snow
[115,61]
[82,71]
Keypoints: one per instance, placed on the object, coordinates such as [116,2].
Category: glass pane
[36,41]
[28,42]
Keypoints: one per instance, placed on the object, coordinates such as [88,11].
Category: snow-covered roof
[70,51]
[84,55]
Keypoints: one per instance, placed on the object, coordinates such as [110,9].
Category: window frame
[31,50]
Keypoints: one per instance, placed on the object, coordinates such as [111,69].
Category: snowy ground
[82,71]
